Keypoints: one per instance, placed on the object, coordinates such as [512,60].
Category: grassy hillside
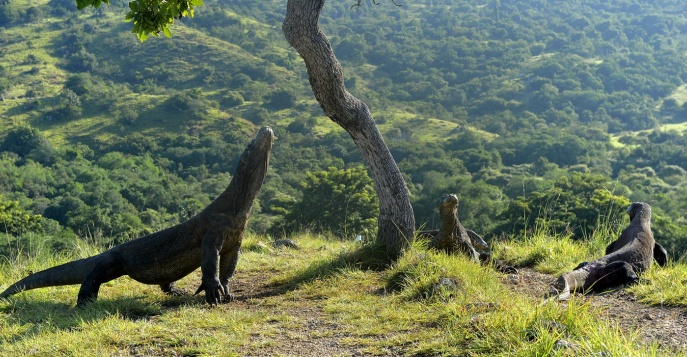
[498,102]
[329,298]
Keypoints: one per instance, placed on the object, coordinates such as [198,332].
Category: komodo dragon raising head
[452,237]
[448,206]
[209,240]
[626,258]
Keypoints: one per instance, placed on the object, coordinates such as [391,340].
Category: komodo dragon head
[448,204]
[639,208]
[251,171]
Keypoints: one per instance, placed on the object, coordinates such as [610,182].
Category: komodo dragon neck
[237,199]
[641,215]
[640,221]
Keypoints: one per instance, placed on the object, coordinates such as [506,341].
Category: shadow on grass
[37,316]
[368,257]
[22,311]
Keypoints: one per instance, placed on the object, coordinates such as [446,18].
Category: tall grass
[663,285]
[32,252]
[409,305]
[551,252]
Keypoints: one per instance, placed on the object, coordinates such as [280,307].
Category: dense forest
[527,110]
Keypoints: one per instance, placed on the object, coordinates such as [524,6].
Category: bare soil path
[313,335]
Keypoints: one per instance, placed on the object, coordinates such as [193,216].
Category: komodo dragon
[209,240]
[630,255]
[452,236]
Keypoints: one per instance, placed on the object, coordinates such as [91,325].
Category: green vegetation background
[527,110]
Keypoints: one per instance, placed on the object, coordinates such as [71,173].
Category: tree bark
[396,223]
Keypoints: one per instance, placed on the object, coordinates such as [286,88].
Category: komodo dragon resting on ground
[627,257]
[452,236]
[209,240]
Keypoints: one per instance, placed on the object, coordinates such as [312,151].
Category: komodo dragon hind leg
[660,255]
[171,289]
[109,267]
[614,274]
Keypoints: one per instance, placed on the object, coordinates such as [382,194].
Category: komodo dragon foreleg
[209,265]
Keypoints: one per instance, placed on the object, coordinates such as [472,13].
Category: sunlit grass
[406,306]
[550,252]
[663,285]
[676,127]
[402,308]
[679,94]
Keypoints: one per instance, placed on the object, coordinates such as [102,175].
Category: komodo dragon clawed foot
[171,290]
[214,291]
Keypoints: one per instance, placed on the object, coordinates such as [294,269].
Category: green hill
[500,102]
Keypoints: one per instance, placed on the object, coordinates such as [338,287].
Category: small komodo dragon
[627,257]
[209,240]
[452,236]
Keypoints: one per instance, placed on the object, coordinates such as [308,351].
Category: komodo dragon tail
[66,274]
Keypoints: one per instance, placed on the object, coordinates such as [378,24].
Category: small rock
[444,284]
[513,279]
[286,243]
[448,282]
[555,326]
[563,344]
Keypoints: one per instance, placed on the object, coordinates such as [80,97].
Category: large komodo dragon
[209,240]
[452,236]
[627,257]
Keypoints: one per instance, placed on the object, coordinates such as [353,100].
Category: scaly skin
[626,258]
[209,240]
[452,236]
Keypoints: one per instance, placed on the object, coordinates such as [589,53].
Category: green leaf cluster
[152,17]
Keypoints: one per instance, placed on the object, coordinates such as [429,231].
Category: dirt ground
[319,337]
[316,337]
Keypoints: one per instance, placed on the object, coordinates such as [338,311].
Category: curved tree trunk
[301,28]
